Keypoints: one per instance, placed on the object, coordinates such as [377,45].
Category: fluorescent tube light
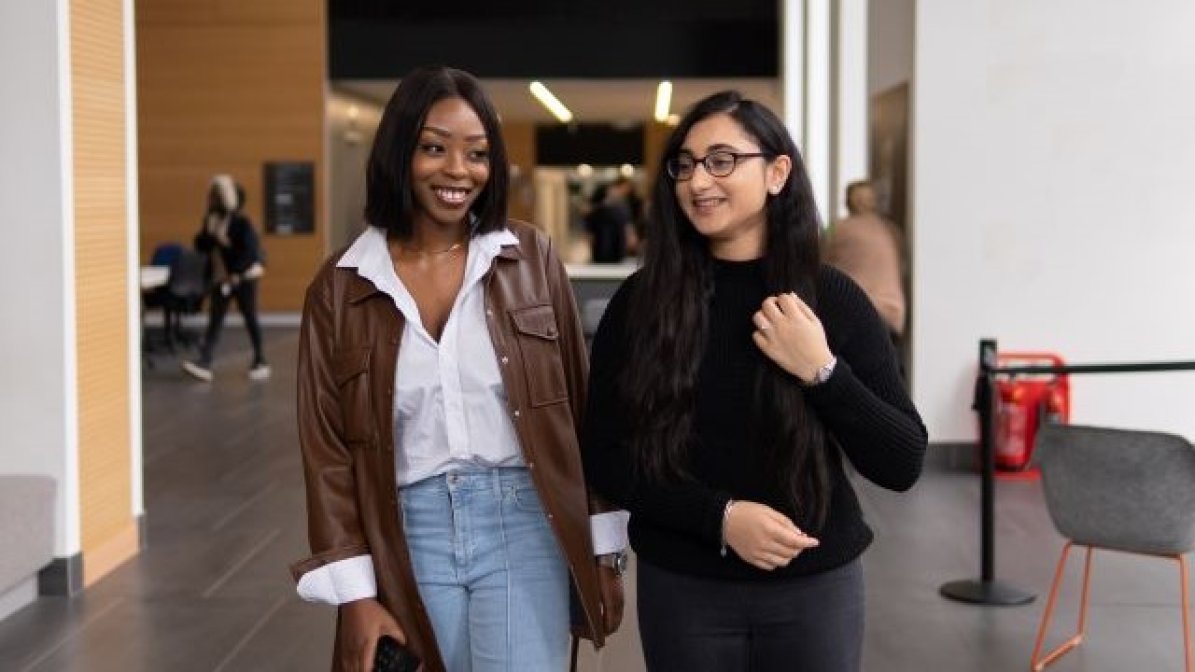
[545,97]
[663,100]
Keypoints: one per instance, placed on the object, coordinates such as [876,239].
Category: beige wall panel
[226,87]
[98,108]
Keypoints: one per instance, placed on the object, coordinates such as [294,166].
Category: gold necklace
[429,254]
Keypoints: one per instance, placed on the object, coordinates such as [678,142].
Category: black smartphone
[391,656]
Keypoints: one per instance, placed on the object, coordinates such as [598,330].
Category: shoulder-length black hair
[389,200]
[669,308]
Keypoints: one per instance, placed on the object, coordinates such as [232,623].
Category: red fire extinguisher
[1025,402]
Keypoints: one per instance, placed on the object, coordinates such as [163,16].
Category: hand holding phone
[390,656]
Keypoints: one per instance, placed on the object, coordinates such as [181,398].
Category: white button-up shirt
[450,406]
[449,401]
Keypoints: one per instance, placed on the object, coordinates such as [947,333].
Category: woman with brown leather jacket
[442,375]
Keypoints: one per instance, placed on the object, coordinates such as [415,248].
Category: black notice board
[290,197]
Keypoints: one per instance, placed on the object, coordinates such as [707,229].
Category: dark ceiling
[373,39]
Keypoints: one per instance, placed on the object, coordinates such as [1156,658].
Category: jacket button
[505,359]
[516,413]
[530,465]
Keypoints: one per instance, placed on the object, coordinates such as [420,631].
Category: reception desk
[593,285]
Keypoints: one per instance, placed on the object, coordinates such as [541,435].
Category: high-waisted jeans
[489,570]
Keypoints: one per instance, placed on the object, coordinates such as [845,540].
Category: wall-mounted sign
[290,197]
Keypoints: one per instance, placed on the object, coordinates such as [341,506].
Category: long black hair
[389,201]
[669,307]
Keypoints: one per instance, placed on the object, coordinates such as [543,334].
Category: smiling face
[451,164]
[730,211]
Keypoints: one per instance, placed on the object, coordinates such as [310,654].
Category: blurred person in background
[609,222]
[868,248]
[235,265]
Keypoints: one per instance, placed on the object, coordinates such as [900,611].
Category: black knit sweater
[864,408]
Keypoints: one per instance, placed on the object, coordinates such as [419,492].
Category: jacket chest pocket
[350,373]
[539,344]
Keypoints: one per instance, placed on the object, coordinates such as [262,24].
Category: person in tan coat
[868,247]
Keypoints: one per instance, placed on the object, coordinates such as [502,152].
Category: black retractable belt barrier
[986,589]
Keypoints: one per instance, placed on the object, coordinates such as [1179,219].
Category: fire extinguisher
[1054,407]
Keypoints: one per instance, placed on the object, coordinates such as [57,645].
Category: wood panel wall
[655,135]
[225,86]
[520,150]
[101,281]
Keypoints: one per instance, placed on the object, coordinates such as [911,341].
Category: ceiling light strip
[663,100]
[545,97]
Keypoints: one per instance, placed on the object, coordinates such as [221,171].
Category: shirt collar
[371,258]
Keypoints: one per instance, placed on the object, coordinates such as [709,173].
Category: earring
[774,189]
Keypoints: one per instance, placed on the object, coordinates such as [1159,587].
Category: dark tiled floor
[224,497]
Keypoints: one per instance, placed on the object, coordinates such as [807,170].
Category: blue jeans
[489,570]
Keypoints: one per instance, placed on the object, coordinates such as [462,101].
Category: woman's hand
[790,334]
[762,536]
[362,622]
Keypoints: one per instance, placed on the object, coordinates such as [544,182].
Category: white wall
[37,375]
[1052,202]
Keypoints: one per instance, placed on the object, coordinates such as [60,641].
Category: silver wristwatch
[616,561]
[823,373]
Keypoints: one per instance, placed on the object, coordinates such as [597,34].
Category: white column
[850,115]
[817,101]
[68,485]
[133,230]
[805,71]
[792,67]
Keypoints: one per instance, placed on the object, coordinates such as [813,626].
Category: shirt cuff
[609,531]
[340,582]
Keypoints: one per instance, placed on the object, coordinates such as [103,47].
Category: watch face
[616,561]
[824,373]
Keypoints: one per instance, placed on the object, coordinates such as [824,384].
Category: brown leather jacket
[348,351]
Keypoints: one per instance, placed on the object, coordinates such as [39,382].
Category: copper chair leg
[1039,663]
[1186,606]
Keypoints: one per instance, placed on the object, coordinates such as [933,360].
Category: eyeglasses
[718,164]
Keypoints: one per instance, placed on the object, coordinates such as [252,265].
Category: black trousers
[245,294]
[804,624]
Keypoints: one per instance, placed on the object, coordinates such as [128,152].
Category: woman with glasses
[441,382]
[729,379]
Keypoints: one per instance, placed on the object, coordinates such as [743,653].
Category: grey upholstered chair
[1120,490]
